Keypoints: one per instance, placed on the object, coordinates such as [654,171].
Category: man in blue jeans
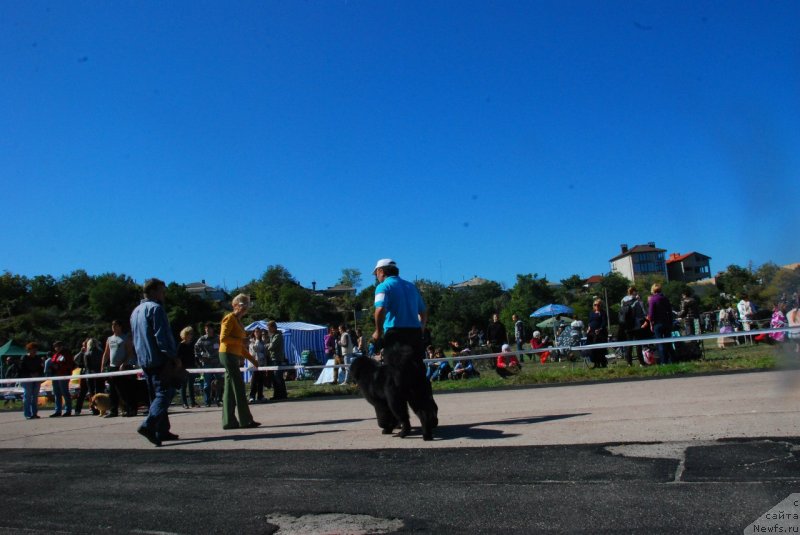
[660,316]
[155,345]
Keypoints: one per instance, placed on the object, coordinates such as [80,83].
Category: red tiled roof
[677,257]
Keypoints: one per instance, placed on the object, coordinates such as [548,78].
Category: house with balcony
[689,267]
[639,260]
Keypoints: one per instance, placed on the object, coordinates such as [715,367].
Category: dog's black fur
[373,380]
[390,388]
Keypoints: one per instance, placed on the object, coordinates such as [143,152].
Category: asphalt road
[688,455]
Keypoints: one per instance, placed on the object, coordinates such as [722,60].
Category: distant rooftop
[474,281]
[647,248]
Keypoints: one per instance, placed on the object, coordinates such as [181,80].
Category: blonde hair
[242,299]
[655,288]
[185,332]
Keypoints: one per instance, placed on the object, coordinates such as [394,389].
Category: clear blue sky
[208,140]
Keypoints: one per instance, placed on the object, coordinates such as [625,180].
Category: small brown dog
[100,402]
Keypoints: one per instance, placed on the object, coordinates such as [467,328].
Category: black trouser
[412,383]
[279,383]
[630,335]
[599,355]
[122,388]
[405,337]
[257,381]
[88,386]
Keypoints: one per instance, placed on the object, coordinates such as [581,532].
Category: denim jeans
[348,359]
[665,352]
[30,399]
[62,397]
[157,418]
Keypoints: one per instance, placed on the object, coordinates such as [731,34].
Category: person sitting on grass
[507,362]
[537,342]
[464,369]
[438,371]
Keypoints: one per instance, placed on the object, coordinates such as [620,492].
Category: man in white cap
[400,317]
[400,312]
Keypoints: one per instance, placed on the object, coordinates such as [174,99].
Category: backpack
[626,313]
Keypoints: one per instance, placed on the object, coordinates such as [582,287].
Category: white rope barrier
[482,356]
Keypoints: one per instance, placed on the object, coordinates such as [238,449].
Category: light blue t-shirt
[402,302]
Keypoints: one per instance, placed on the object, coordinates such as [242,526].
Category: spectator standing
[597,333]
[496,334]
[689,312]
[333,351]
[519,334]
[633,325]
[206,350]
[119,355]
[727,320]
[61,365]
[155,346]
[91,359]
[278,356]
[186,354]
[233,349]
[346,348]
[31,366]
[473,337]
[793,319]
[660,317]
[745,309]
[258,379]
[778,321]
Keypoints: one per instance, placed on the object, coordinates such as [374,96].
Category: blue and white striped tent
[298,337]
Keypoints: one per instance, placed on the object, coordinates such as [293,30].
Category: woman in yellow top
[232,350]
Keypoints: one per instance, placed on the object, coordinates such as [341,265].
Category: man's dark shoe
[251,425]
[111,415]
[229,427]
[67,414]
[149,435]
[55,415]
[169,436]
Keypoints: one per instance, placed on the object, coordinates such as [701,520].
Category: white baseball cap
[384,262]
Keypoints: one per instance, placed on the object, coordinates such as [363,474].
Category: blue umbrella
[552,310]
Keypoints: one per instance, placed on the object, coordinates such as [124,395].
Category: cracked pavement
[660,456]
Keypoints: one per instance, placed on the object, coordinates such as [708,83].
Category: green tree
[114,297]
[573,282]
[13,294]
[782,286]
[351,277]
[736,281]
[266,292]
[44,292]
[185,309]
[528,294]
[459,310]
[75,289]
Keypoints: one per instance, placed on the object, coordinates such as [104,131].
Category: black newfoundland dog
[393,386]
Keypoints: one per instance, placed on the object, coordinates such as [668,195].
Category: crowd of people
[638,320]
[150,348]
